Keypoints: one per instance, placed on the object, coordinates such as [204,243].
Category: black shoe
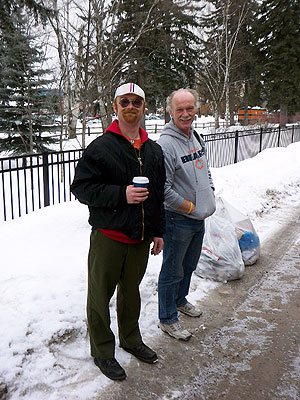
[110,368]
[143,353]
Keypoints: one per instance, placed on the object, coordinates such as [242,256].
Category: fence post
[278,143]
[260,139]
[46,179]
[293,131]
[236,146]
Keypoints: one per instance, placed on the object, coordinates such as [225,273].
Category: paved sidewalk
[246,346]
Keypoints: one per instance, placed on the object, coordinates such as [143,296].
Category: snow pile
[44,350]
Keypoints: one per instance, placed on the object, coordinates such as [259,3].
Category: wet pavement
[246,345]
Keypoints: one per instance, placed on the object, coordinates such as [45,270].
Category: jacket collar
[114,127]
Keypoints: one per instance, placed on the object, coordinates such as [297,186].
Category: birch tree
[219,38]
[70,28]
[92,54]
[111,50]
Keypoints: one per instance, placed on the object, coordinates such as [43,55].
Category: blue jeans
[182,248]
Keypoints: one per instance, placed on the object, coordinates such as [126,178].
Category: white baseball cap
[130,88]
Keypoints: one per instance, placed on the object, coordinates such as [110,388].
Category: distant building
[255,115]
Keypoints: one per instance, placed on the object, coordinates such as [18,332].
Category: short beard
[130,117]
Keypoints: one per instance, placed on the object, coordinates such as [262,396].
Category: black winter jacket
[106,168]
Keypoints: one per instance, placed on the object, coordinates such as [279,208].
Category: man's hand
[158,244]
[187,207]
[136,195]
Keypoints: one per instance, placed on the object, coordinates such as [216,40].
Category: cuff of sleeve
[123,197]
[176,203]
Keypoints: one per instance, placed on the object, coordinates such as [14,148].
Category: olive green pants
[114,264]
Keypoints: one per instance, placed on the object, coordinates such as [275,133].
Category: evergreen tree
[278,44]
[165,57]
[36,8]
[23,88]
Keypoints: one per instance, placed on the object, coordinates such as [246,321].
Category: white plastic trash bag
[221,257]
[248,239]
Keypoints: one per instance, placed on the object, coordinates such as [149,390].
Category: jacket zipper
[195,175]
[143,211]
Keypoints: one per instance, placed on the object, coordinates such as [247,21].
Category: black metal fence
[93,129]
[232,147]
[30,182]
[34,181]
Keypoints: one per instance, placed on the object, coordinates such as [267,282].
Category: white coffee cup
[140,181]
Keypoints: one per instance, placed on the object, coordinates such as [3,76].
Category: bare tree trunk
[216,115]
[85,76]
[68,90]
[110,58]
[246,104]
[283,115]
[141,82]
[227,103]
[61,124]
[231,105]
[167,116]
[104,113]
[218,62]
[63,53]
[77,86]
[29,114]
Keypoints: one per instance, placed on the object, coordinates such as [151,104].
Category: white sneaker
[190,310]
[175,330]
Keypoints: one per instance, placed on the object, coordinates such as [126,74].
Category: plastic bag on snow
[221,257]
[248,239]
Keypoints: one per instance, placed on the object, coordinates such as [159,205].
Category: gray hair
[191,91]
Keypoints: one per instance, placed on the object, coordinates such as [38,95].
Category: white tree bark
[110,60]
[99,41]
[217,61]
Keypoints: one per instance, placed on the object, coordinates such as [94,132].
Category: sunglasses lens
[137,103]
[124,103]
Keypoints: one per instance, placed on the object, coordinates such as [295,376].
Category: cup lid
[140,179]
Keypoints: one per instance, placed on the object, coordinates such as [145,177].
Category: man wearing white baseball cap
[130,88]
[125,220]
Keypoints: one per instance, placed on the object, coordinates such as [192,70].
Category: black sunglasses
[137,103]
